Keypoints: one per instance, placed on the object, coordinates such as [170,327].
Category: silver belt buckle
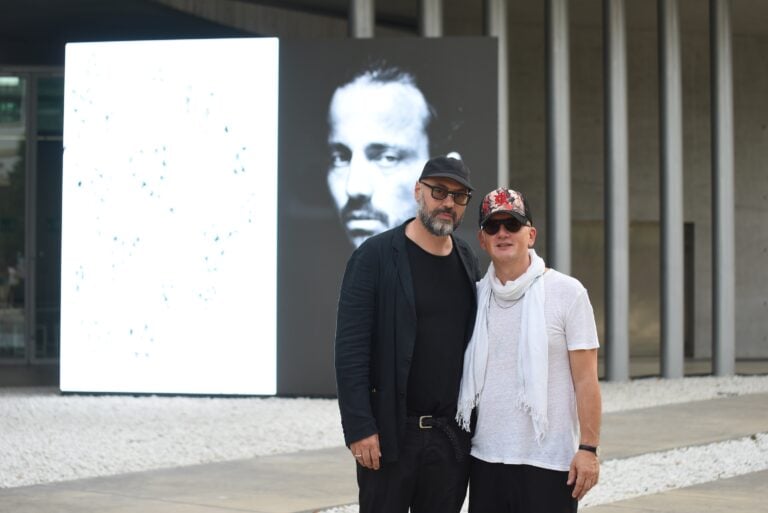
[421,422]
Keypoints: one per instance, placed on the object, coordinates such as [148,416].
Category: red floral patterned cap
[507,201]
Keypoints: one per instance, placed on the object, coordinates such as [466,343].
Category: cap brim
[453,177]
[514,214]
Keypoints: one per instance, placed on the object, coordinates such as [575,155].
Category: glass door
[48,151]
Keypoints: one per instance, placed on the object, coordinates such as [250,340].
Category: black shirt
[444,307]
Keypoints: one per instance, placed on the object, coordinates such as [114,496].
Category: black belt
[459,440]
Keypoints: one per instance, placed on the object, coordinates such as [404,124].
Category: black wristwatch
[591,448]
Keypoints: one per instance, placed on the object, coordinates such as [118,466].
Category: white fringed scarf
[532,363]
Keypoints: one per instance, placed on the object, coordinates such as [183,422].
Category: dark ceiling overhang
[34,32]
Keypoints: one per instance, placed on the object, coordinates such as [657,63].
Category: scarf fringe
[532,367]
[540,421]
[464,413]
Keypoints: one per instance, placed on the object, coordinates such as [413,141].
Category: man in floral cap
[530,371]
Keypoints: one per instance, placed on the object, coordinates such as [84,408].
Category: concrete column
[362,18]
[431,18]
[671,182]
[496,26]
[723,241]
[558,137]
[616,192]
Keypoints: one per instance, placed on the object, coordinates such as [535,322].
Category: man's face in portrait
[378,145]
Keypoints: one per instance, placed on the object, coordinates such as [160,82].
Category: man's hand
[584,471]
[367,452]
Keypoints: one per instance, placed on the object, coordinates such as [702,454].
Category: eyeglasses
[440,193]
[512,224]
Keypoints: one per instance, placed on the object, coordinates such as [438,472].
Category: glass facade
[31,121]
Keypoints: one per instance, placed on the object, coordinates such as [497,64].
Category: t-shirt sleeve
[580,328]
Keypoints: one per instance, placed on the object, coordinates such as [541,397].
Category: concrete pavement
[312,480]
[284,483]
[635,432]
[742,494]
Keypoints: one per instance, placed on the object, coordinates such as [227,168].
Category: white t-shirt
[504,433]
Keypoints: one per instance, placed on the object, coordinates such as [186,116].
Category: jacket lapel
[465,262]
[403,267]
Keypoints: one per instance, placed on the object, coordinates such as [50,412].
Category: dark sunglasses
[512,224]
[439,193]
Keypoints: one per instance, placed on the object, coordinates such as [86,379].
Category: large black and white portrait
[358,121]
[378,142]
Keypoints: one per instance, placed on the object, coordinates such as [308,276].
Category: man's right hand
[367,452]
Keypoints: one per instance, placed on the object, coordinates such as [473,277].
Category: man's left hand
[584,472]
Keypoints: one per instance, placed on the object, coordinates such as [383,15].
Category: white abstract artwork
[169,243]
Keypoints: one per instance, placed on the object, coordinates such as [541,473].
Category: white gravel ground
[48,437]
[667,470]
[687,466]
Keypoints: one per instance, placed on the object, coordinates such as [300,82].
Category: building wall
[527,83]
[751,106]
[528,170]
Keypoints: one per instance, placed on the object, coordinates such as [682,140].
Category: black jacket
[375,337]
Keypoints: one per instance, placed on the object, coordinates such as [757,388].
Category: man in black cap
[406,312]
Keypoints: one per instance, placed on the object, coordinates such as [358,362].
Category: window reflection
[12,194]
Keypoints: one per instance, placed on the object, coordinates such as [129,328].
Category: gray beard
[433,225]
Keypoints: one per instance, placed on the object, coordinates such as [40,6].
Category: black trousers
[426,478]
[502,488]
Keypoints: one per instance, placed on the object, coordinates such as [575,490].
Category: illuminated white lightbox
[169,238]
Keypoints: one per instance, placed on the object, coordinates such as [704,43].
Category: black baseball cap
[447,167]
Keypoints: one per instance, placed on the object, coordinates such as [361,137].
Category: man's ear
[416,191]
[531,237]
